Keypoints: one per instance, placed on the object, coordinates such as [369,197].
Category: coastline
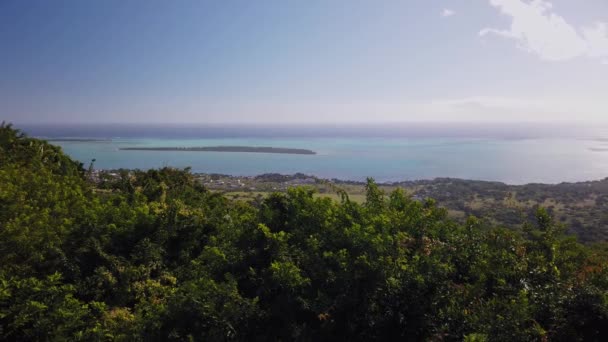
[579,205]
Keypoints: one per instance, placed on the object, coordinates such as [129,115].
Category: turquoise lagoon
[513,161]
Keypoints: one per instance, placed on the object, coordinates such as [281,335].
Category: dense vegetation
[152,255]
[581,206]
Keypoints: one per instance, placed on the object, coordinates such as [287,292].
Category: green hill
[153,255]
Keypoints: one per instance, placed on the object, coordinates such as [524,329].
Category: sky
[150,61]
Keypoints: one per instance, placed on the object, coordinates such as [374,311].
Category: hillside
[581,207]
[155,255]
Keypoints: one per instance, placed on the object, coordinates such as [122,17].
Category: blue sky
[303,61]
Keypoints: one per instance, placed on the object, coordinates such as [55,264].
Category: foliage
[153,255]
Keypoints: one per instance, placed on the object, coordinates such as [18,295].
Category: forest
[582,206]
[153,255]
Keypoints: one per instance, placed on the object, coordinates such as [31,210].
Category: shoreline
[407,182]
[581,205]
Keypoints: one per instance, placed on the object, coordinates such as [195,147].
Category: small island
[247,149]
[76,140]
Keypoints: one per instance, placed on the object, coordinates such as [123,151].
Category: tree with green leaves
[153,255]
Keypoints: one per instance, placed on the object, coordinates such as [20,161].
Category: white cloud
[491,101]
[539,30]
[517,109]
[597,38]
[446,12]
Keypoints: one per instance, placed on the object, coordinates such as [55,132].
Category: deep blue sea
[510,153]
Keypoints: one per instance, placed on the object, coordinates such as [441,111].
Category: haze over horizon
[308,62]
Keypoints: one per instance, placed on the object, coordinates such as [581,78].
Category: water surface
[514,155]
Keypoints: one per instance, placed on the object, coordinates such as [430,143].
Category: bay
[522,158]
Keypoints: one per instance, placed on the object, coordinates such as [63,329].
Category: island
[247,149]
[76,140]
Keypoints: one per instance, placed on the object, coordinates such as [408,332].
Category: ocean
[510,153]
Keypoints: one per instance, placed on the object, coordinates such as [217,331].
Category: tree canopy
[153,255]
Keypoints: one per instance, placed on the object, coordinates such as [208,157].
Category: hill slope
[156,256]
